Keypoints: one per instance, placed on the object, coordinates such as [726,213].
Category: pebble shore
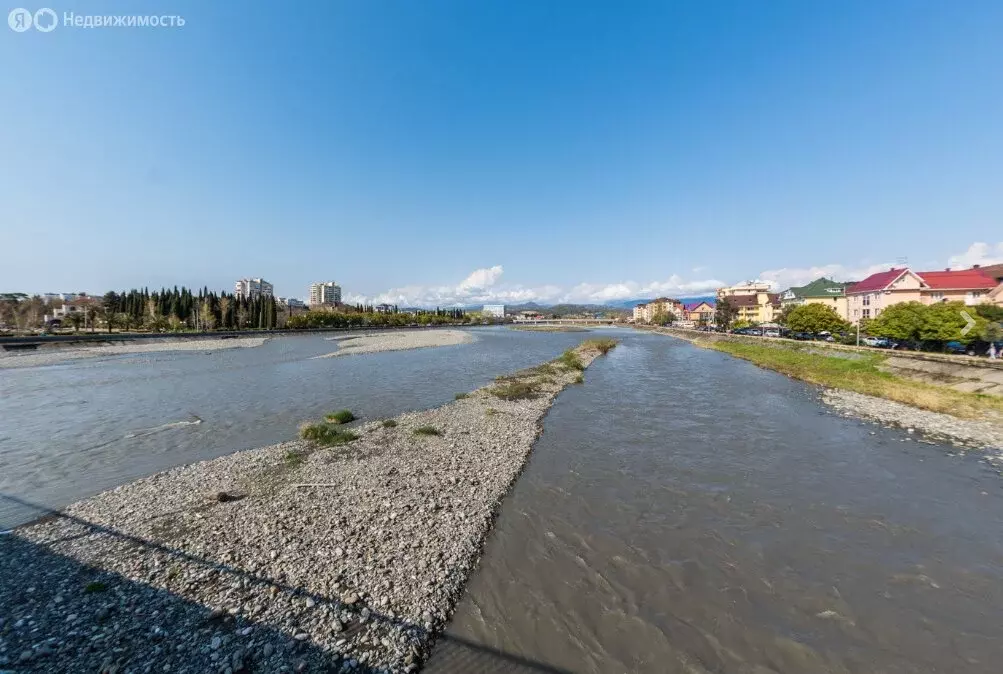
[288,558]
[934,425]
[397,341]
[51,356]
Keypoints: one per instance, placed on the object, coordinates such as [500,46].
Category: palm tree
[75,318]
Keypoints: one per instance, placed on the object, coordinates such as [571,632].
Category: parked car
[879,342]
[802,336]
[958,348]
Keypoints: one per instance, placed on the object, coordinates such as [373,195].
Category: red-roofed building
[879,291]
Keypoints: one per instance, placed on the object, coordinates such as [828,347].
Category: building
[641,313]
[753,301]
[291,302]
[877,292]
[384,308]
[820,291]
[494,310]
[700,313]
[325,292]
[252,288]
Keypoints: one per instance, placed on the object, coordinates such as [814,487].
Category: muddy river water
[685,511]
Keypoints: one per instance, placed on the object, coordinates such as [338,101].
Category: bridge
[566,321]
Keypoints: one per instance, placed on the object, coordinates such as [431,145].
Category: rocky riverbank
[287,558]
[933,425]
[51,356]
[397,341]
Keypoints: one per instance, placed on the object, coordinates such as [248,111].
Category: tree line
[358,319]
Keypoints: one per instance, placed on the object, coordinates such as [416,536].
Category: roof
[993,271]
[742,300]
[878,281]
[821,287]
[774,299]
[965,279]
[693,306]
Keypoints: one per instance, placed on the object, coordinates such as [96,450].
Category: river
[72,430]
[685,511]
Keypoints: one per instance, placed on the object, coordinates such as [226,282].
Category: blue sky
[439,151]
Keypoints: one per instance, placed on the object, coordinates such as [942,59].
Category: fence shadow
[61,615]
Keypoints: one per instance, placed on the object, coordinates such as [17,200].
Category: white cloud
[799,276]
[977,254]
[486,285]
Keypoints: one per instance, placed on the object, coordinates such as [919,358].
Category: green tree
[76,319]
[814,318]
[944,322]
[725,313]
[902,321]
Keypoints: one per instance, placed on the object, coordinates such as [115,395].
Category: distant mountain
[565,309]
[630,304]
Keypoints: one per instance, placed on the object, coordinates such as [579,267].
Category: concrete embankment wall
[964,373]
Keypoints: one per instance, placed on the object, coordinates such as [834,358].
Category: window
[856,313]
[867,313]
[867,300]
[936,296]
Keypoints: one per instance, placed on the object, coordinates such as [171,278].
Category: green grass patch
[95,586]
[340,417]
[580,379]
[603,346]
[490,411]
[427,430]
[569,360]
[389,423]
[863,376]
[461,396]
[327,435]
[513,390]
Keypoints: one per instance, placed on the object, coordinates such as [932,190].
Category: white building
[327,292]
[292,302]
[494,310]
[252,288]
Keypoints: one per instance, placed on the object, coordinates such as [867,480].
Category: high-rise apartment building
[327,292]
[252,288]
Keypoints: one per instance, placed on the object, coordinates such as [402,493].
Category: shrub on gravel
[327,435]
[603,346]
[389,423]
[515,390]
[340,417]
[427,430]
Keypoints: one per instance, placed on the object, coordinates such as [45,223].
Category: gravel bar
[285,558]
[58,354]
[934,425]
[397,341]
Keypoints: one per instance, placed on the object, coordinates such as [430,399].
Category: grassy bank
[861,374]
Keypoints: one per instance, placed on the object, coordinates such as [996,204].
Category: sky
[446,151]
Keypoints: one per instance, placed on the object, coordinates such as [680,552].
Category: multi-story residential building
[649,311]
[494,310]
[753,301]
[325,293]
[252,288]
[384,308]
[701,313]
[291,302]
[877,292]
[820,291]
